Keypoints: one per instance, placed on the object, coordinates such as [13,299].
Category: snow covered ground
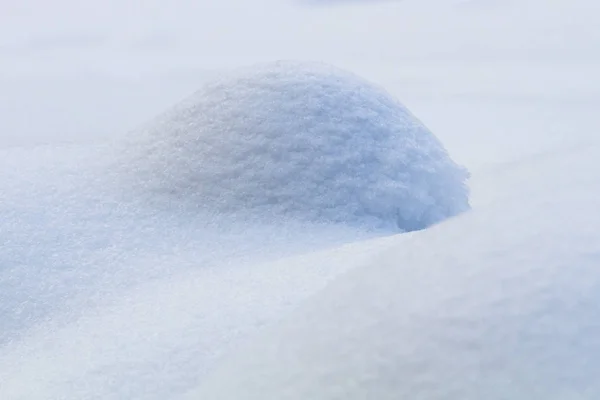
[500,303]
[105,298]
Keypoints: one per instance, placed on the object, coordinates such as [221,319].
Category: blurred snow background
[136,304]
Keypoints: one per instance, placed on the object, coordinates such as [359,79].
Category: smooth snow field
[300,200]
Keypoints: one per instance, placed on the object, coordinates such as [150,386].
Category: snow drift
[299,141]
[89,269]
[498,304]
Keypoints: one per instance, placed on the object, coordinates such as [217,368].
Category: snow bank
[158,339]
[301,141]
[502,303]
[69,240]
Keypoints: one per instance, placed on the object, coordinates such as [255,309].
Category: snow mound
[299,141]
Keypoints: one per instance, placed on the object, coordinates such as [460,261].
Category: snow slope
[161,249]
[501,303]
[156,339]
[103,296]
[71,238]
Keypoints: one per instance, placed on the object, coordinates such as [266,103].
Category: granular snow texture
[298,141]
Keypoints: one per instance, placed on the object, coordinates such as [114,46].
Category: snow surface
[71,238]
[104,295]
[311,156]
[298,141]
[480,307]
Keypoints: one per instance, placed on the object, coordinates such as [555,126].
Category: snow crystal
[298,141]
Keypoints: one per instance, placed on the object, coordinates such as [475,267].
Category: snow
[299,141]
[155,339]
[107,292]
[480,307]
[73,240]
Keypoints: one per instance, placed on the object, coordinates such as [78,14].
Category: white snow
[108,292]
[157,338]
[298,141]
[72,239]
[480,307]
